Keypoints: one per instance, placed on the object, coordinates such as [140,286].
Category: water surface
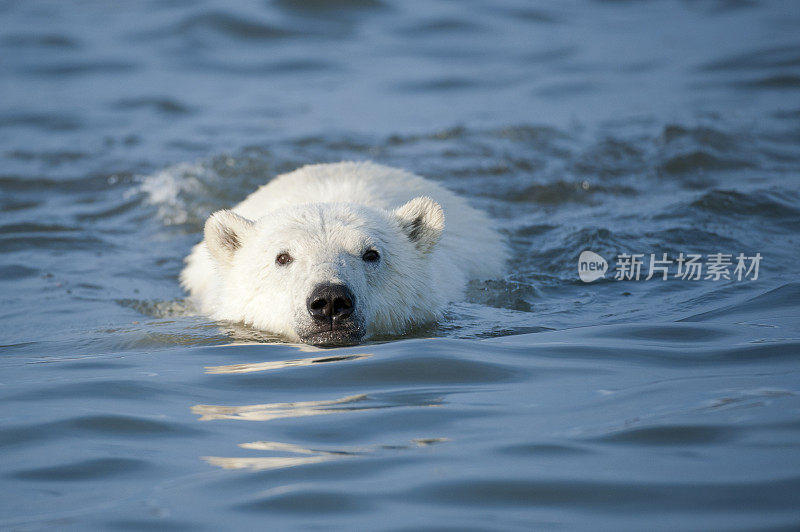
[541,402]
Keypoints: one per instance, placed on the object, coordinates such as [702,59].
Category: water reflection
[264,463]
[314,456]
[269,411]
[285,447]
[280,364]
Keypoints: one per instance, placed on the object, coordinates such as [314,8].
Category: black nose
[331,303]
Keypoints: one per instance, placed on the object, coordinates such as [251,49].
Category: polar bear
[331,254]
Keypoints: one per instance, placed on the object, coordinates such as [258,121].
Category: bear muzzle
[333,318]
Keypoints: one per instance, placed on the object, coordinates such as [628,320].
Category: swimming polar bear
[331,254]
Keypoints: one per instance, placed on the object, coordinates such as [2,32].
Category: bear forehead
[319,215]
[329,224]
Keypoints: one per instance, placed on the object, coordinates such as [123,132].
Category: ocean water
[542,402]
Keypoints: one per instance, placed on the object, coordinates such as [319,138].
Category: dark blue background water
[542,402]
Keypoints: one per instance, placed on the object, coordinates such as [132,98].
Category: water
[541,402]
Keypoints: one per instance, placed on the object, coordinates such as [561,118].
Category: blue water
[542,402]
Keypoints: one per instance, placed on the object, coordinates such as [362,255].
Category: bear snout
[331,304]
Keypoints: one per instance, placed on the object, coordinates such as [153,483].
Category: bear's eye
[283,259]
[371,256]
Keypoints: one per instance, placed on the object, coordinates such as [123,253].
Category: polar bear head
[327,273]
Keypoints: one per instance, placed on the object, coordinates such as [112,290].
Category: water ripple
[226,24]
[540,402]
[614,496]
[86,470]
[672,435]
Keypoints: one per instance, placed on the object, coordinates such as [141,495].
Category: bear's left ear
[422,219]
[224,233]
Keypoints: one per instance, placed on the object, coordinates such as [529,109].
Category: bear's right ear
[224,233]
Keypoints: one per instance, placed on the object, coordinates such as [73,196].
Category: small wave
[558,255]
[704,136]
[116,426]
[770,205]
[613,496]
[566,89]
[543,450]
[781,299]
[14,272]
[673,333]
[18,242]
[777,82]
[158,309]
[112,389]
[445,84]
[51,158]
[330,6]
[14,184]
[131,426]
[226,24]
[700,160]
[533,14]
[163,105]
[611,157]
[47,121]
[187,193]
[307,502]
[764,59]
[100,468]
[561,192]
[677,239]
[34,228]
[671,435]
[447,26]
[291,67]
[44,40]
[506,293]
[173,191]
[65,68]
[119,207]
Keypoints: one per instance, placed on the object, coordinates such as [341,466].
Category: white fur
[326,216]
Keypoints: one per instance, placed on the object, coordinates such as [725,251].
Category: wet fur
[326,216]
